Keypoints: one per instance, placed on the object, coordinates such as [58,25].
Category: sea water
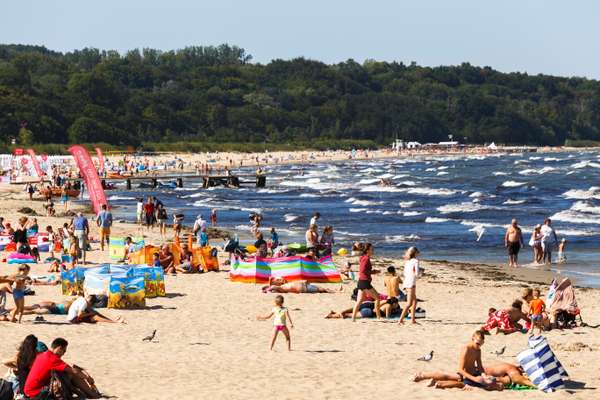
[440,204]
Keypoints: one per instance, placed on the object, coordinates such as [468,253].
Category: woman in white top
[411,273]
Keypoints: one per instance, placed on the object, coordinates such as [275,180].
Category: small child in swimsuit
[281,315]
[20,280]
[562,258]
[536,309]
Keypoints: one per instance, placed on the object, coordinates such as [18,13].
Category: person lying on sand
[281,285]
[389,307]
[471,373]
[48,307]
[81,311]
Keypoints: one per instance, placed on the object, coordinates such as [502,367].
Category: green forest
[217,95]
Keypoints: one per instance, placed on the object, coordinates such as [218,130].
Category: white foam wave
[368,181]
[592,193]
[309,195]
[408,183]
[584,164]
[582,206]
[290,217]
[402,238]
[499,173]
[513,202]
[407,204]
[461,207]
[373,188]
[117,197]
[513,183]
[409,213]
[356,210]
[442,173]
[575,217]
[432,192]
[433,220]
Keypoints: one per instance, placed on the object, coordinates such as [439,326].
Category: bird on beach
[149,338]
[426,357]
[500,352]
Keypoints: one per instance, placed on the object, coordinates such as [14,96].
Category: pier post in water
[128,184]
[179,182]
[154,183]
[261,181]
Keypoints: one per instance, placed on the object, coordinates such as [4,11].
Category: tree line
[217,95]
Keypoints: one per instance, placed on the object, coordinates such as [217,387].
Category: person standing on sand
[281,315]
[104,221]
[81,231]
[139,211]
[513,241]
[411,273]
[549,240]
[364,282]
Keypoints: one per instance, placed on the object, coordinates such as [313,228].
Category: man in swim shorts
[513,241]
[471,373]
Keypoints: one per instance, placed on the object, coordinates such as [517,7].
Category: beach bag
[541,365]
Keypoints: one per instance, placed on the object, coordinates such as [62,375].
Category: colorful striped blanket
[259,270]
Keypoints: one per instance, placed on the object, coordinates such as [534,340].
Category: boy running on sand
[281,314]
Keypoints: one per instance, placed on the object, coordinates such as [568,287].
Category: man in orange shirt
[536,308]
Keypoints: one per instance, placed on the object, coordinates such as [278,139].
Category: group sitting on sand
[37,373]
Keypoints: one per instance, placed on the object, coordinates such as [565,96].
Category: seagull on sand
[426,357]
[150,337]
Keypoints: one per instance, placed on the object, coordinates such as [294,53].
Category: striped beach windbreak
[259,270]
[542,366]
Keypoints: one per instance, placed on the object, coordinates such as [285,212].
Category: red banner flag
[90,176]
[100,158]
[36,163]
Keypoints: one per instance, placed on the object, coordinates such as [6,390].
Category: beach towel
[499,319]
[126,292]
[541,365]
[295,268]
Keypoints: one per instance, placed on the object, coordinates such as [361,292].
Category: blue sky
[534,36]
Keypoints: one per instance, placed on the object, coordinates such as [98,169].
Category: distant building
[413,145]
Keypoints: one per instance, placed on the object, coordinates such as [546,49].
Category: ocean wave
[432,192]
[368,181]
[356,210]
[580,194]
[514,202]
[309,195]
[344,233]
[402,238]
[575,217]
[500,173]
[513,184]
[522,162]
[408,183]
[461,208]
[442,173]
[467,222]
[409,213]
[433,220]
[117,197]
[374,188]
[290,217]
[548,159]
[476,194]
[584,164]
[272,191]
[358,202]
[407,204]
[582,206]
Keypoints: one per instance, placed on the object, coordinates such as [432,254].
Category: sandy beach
[209,343]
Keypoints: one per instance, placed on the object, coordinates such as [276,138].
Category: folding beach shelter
[116,246]
[542,366]
[206,258]
[154,279]
[259,270]
[126,292]
[143,255]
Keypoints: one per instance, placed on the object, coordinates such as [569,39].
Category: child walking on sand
[281,315]
[536,308]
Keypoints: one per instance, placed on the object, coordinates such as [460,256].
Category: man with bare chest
[513,241]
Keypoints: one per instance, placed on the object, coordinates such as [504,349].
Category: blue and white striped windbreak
[541,365]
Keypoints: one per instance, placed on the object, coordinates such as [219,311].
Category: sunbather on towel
[471,373]
[281,285]
[389,307]
[508,373]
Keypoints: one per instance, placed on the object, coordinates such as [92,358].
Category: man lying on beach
[48,307]
[281,285]
[389,307]
[471,373]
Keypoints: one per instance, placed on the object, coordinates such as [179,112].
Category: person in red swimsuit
[364,282]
